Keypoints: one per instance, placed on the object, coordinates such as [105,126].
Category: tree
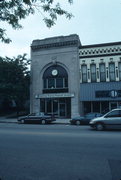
[14,81]
[12,11]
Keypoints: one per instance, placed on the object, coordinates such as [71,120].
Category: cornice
[55,45]
[101,45]
[100,51]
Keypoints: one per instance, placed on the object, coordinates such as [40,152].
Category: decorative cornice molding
[99,52]
[55,45]
[101,45]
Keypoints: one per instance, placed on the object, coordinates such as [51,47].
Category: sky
[95,21]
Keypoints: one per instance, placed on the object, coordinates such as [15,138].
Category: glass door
[62,109]
[55,109]
[55,106]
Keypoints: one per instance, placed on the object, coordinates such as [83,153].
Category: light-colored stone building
[68,79]
[55,76]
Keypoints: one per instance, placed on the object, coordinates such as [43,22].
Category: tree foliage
[12,11]
[14,80]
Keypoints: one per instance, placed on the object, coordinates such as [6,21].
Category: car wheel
[22,121]
[99,127]
[77,122]
[43,121]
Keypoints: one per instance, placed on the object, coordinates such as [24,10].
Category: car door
[31,117]
[113,119]
[89,116]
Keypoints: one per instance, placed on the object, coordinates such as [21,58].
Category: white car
[111,120]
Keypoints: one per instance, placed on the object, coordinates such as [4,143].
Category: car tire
[99,127]
[22,121]
[43,122]
[77,123]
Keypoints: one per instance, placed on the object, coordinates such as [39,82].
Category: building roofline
[101,45]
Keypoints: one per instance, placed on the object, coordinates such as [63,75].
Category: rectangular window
[102,72]
[93,72]
[51,83]
[119,68]
[49,105]
[84,73]
[65,82]
[59,83]
[45,83]
[112,72]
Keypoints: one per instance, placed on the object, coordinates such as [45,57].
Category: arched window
[55,80]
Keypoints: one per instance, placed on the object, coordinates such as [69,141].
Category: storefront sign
[113,93]
[57,95]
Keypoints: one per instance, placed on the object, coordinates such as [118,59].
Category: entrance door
[52,107]
[55,109]
[62,109]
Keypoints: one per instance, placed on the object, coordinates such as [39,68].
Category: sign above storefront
[56,95]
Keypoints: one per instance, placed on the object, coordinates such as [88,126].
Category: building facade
[68,79]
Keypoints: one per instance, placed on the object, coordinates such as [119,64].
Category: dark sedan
[37,118]
[84,120]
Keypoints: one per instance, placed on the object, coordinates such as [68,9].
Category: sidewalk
[8,120]
[14,120]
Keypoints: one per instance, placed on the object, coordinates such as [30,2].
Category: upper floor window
[119,68]
[93,72]
[55,79]
[84,73]
[102,72]
[112,71]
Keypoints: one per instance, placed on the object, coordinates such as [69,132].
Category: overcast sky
[95,21]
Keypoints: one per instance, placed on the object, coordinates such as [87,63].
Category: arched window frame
[53,83]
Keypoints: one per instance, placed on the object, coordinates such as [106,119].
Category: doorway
[113,105]
[62,109]
[59,107]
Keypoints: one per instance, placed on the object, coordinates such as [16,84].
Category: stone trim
[96,52]
[55,45]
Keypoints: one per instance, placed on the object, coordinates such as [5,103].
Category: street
[58,152]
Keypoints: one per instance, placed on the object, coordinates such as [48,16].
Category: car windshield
[115,113]
[32,114]
[92,115]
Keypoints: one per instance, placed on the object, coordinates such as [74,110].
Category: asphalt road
[58,152]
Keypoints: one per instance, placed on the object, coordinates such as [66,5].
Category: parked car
[110,120]
[37,118]
[84,120]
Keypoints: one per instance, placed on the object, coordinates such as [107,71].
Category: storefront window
[87,107]
[59,107]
